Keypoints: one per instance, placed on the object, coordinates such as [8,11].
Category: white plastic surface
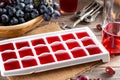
[103,55]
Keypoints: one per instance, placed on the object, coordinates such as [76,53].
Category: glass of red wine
[111,26]
[68,6]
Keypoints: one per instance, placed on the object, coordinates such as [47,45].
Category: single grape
[28,1]
[2,4]
[50,10]
[20,6]
[56,14]
[21,20]
[27,16]
[4,11]
[4,18]
[109,70]
[56,6]
[11,11]
[43,2]
[99,27]
[19,13]
[43,9]
[82,77]
[14,21]
[46,17]
[34,13]
[29,7]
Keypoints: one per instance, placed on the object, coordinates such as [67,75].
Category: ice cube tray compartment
[12,65]
[38,42]
[48,51]
[25,52]
[8,55]
[7,46]
[22,44]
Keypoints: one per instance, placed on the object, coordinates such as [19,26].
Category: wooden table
[98,71]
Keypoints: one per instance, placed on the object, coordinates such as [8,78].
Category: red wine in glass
[68,5]
[111,37]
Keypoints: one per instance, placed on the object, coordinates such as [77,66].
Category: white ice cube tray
[42,52]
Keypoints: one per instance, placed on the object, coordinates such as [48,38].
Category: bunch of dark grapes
[49,9]
[19,11]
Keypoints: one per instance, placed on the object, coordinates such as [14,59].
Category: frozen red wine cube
[37,42]
[12,65]
[68,36]
[82,34]
[25,52]
[29,63]
[8,55]
[78,53]
[87,42]
[62,56]
[46,58]
[52,39]
[41,49]
[57,47]
[94,50]
[22,44]
[72,44]
[7,46]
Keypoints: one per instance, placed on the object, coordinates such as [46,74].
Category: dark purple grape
[14,21]
[11,10]
[27,16]
[19,13]
[28,1]
[21,20]
[34,13]
[2,4]
[20,6]
[50,10]
[19,1]
[56,14]
[29,7]
[82,77]
[46,17]
[56,6]
[43,9]
[4,11]
[4,18]
[43,2]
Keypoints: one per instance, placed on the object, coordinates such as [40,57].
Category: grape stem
[48,2]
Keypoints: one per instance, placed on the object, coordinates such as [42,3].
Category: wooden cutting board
[58,74]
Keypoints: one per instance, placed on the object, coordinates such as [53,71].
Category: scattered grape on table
[14,12]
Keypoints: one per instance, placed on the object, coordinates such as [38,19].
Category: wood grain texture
[20,29]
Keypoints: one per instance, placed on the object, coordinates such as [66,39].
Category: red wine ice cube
[8,55]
